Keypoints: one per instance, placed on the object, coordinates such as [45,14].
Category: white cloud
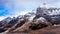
[16,13]
[2,17]
[21,7]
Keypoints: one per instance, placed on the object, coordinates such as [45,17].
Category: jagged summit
[48,9]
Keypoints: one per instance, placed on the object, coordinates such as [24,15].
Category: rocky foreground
[25,29]
[46,30]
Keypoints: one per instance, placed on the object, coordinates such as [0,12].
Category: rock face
[6,20]
[50,14]
[26,30]
[3,23]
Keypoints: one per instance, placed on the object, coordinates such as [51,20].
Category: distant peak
[45,5]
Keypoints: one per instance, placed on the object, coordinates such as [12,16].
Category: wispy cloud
[18,7]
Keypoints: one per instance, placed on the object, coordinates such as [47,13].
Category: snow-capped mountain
[7,19]
[41,16]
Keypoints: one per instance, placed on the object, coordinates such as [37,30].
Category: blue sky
[16,7]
